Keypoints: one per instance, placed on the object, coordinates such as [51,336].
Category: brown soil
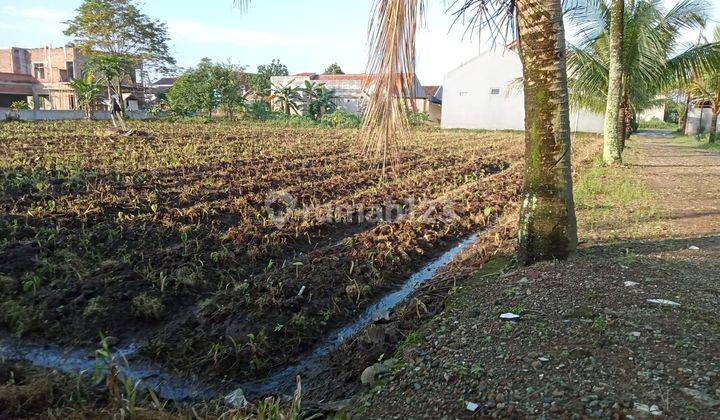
[587,344]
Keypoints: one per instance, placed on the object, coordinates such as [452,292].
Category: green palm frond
[650,43]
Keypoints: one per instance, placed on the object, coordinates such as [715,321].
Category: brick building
[39,75]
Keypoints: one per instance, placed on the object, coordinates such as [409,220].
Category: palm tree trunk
[685,115]
[612,150]
[713,125]
[625,122]
[547,227]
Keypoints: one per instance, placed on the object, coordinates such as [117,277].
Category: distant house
[431,102]
[486,93]
[162,85]
[41,77]
[348,94]
[699,118]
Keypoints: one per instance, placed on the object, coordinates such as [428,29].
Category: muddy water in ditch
[375,311]
[166,384]
[172,386]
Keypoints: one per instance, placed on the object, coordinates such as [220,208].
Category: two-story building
[40,76]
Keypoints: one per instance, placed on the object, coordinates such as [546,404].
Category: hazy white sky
[306,35]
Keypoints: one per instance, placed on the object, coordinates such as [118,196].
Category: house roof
[165,81]
[315,76]
[429,91]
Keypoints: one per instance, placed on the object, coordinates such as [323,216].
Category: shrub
[259,110]
[656,123]
[418,118]
[340,119]
[20,105]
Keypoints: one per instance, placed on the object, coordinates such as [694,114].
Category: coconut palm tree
[705,89]
[651,64]
[286,96]
[611,136]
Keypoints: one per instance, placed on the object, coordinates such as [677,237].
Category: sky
[306,35]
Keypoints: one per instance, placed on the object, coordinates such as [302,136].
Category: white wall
[697,125]
[653,113]
[58,115]
[483,94]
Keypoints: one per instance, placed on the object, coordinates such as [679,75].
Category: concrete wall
[653,113]
[484,94]
[59,115]
[698,125]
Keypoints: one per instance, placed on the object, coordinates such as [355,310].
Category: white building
[348,94]
[699,119]
[486,93]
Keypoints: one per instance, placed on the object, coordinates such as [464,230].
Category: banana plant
[86,92]
[286,96]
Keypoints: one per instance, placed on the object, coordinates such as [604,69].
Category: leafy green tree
[194,91]
[333,68]
[286,97]
[86,92]
[208,87]
[260,81]
[111,70]
[118,27]
[227,80]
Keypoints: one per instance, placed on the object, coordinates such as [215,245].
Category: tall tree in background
[612,153]
[333,68]
[260,82]
[227,80]
[118,27]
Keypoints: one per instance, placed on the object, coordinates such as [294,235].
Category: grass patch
[700,142]
[657,124]
[612,199]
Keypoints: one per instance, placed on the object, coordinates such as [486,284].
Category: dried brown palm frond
[391,62]
[390,81]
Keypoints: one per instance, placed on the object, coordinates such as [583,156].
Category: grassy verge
[612,202]
[701,143]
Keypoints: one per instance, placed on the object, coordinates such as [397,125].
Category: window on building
[70,67]
[72,101]
[39,70]
[495,91]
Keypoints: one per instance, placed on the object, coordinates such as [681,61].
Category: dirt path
[590,340]
[686,180]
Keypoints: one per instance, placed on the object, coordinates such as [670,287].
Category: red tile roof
[430,90]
